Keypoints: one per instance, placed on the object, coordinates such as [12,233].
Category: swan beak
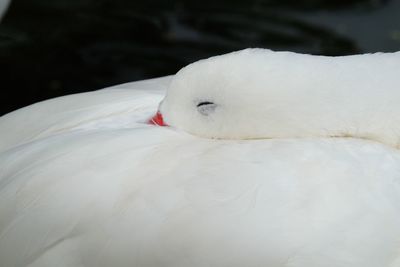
[157,120]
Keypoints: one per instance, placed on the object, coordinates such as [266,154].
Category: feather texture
[84,182]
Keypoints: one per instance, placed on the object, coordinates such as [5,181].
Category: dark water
[50,48]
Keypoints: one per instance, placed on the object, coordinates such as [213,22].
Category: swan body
[86,182]
[259,93]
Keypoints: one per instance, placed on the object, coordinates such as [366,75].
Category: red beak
[157,120]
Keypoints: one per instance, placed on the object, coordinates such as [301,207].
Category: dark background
[50,48]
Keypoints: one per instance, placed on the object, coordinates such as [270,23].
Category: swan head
[226,97]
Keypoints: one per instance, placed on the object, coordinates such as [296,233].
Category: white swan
[85,181]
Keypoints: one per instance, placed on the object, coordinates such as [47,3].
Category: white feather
[84,182]
[260,93]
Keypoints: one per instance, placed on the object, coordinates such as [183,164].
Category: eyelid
[206,107]
[204,103]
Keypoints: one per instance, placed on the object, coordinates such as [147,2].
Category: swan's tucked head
[224,97]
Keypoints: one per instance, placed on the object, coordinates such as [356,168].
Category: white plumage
[85,181]
[259,93]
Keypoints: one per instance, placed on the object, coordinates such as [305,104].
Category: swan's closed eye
[206,107]
[204,103]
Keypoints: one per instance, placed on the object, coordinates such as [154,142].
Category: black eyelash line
[204,103]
